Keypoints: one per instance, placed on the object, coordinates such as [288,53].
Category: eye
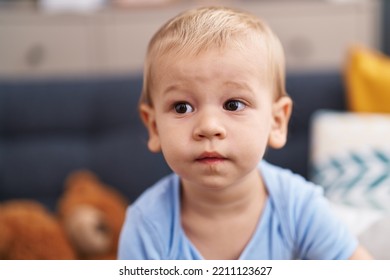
[183,108]
[233,105]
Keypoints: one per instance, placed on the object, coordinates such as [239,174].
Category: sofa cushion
[367,76]
[350,156]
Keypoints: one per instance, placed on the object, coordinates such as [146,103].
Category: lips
[210,158]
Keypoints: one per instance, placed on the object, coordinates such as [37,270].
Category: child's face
[213,115]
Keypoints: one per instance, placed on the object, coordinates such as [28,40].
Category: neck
[232,200]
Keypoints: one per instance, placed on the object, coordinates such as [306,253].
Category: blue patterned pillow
[350,157]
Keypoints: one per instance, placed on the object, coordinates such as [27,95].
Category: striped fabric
[350,158]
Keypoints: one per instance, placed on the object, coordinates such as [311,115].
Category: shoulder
[291,196]
[149,222]
[157,202]
[287,187]
[314,231]
[157,194]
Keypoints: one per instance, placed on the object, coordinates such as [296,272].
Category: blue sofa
[48,128]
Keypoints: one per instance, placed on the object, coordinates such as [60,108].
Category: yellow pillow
[367,77]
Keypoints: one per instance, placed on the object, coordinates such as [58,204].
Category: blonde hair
[198,30]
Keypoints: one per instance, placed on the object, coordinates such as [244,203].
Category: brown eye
[183,108]
[233,105]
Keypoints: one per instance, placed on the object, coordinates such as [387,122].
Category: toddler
[213,100]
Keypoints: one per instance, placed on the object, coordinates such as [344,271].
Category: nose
[209,125]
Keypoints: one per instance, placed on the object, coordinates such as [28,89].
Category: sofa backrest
[49,128]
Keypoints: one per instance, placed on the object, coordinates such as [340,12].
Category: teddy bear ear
[80,176]
[82,181]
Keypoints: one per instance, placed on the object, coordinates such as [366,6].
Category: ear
[281,112]
[148,117]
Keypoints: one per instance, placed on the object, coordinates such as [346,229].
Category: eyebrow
[230,84]
[173,87]
[238,85]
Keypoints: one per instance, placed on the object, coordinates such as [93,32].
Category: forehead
[247,58]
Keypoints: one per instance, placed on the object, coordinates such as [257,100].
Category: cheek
[253,136]
[175,153]
[171,132]
[252,144]
[174,139]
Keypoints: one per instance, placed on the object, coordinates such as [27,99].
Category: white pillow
[350,158]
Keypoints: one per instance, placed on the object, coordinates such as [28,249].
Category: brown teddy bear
[92,214]
[28,231]
[87,225]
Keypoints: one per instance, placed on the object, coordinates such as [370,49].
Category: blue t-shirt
[296,223]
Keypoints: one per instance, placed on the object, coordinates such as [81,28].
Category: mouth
[210,158]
